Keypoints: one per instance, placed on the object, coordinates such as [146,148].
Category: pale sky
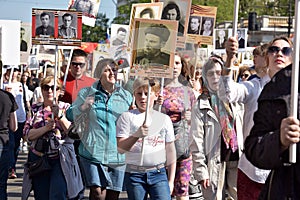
[21,9]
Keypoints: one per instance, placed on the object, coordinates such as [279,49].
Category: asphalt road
[14,187]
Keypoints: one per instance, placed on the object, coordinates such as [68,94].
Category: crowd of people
[230,136]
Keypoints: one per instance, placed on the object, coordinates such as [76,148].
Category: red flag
[88,47]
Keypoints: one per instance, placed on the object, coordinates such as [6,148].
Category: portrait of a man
[120,37]
[241,39]
[194,25]
[172,12]
[33,62]
[23,43]
[155,38]
[45,29]
[84,6]
[207,26]
[66,30]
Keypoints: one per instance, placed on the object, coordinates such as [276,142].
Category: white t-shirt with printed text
[160,132]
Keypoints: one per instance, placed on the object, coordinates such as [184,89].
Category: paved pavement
[14,187]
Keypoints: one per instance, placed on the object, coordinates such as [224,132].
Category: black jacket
[263,147]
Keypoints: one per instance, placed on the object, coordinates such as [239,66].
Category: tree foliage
[225,8]
[124,12]
[98,32]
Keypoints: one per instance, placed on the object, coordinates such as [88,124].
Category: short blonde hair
[143,82]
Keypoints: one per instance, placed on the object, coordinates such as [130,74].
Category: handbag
[79,126]
[181,132]
[38,166]
[182,139]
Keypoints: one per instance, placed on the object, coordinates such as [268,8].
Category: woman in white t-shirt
[149,146]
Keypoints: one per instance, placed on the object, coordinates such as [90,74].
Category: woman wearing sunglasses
[45,130]
[277,56]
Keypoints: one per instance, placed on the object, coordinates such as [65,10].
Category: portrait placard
[10,42]
[56,27]
[144,11]
[201,24]
[33,63]
[88,8]
[25,42]
[119,34]
[153,48]
[178,10]
[222,35]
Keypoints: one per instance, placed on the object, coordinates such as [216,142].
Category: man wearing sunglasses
[76,78]
[251,179]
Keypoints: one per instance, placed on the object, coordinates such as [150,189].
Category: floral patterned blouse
[39,119]
[174,103]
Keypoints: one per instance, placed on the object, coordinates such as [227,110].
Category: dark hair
[208,19]
[260,50]
[78,52]
[147,11]
[121,29]
[67,15]
[44,14]
[195,17]
[185,71]
[171,6]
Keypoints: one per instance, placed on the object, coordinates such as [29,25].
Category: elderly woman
[102,166]
[217,131]
[45,130]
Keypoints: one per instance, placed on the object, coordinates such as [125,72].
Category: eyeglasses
[47,87]
[211,73]
[81,65]
[287,51]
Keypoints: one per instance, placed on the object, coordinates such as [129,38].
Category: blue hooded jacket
[100,143]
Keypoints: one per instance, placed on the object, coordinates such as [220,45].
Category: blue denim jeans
[4,165]
[154,183]
[51,185]
[14,144]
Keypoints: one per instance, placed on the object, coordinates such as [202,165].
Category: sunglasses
[287,51]
[245,75]
[47,87]
[81,65]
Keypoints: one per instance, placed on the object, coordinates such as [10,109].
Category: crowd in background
[200,131]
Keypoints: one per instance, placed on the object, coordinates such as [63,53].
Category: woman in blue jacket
[102,166]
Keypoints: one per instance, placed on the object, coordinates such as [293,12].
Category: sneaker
[12,174]
[25,147]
